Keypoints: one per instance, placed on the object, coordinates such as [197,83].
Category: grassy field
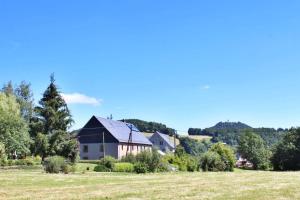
[35,184]
[200,137]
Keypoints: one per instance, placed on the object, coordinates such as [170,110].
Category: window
[101,148]
[161,143]
[85,148]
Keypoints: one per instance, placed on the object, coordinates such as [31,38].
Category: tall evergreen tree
[53,110]
[53,119]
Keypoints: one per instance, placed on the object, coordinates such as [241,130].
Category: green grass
[243,185]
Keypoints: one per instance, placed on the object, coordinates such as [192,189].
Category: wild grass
[243,185]
[200,137]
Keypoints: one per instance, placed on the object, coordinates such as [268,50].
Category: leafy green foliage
[150,158]
[55,164]
[13,129]
[181,160]
[129,158]
[106,164]
[123,167]
[252,147]
[101,168]
[226,154]
[286,154]
[194,147]
[220,157]
[53,110]
[41,145]
[52,119]
[140,168]
[211,161]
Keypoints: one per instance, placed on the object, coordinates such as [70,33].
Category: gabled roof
[121,131]
[165,138]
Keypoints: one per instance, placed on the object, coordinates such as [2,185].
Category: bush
[129,158]
[192,164]
[3,161]
[211,161]
[140,168]
[68,168]
[123,167]
[226,154]
[55,164]
[151,159]
[101,168]
[108,162]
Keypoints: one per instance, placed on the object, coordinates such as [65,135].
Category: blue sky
[182,63]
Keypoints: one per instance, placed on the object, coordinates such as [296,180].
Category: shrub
[151,159]
[192,164]
[101,168]
[226,154]
[211,161]
[108,162]
[129,158]
[68,168]
[123,167]
[11,162]
[140,168]
[3,161]
[55,164]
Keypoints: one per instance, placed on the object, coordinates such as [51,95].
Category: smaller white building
[162,142]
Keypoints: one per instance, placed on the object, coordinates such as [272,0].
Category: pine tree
[53,110]
[53,119]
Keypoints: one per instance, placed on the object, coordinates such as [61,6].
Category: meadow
[35,184]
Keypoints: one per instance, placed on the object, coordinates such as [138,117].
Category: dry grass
[35,184]
[200,137]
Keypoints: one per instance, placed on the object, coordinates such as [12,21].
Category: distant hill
[229,132]
[230,125]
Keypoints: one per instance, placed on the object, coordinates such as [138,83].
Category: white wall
[111,149]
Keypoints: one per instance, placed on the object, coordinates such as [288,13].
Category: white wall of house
[94,151]
[133,149]
[160,143]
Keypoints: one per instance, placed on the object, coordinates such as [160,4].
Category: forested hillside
[229,132]
[150,127]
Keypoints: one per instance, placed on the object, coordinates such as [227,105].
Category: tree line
[151,127]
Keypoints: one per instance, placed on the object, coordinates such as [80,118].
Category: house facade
[162,142]
[102,137]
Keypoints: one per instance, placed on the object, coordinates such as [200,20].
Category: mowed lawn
[35,184]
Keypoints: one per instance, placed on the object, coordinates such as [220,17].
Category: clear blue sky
[183,63]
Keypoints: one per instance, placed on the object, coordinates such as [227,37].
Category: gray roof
[165,137]
[121,131]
